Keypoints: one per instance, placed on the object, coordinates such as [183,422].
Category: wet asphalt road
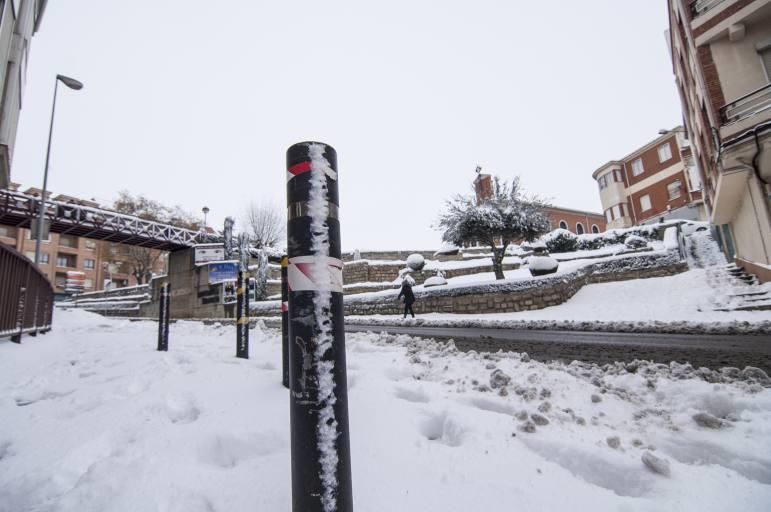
[710,350]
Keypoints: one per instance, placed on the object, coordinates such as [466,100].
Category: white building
[19,20]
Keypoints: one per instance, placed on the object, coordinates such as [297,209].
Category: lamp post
[75,85]
[205,211]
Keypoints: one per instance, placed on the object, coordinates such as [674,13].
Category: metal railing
[20,210]
[699,7]
[747,106]
[26,296]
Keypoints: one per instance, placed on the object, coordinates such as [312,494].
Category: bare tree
[265,225]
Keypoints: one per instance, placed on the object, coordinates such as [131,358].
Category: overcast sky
[194,103]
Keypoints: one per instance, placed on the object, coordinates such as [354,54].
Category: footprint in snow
[443,428]
[412,395]
[228,451]
[181,409]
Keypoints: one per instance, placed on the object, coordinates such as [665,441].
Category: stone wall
[501,297]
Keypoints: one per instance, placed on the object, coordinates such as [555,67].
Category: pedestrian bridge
[21,210]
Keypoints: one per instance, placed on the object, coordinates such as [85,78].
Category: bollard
[163,317]
[321,461]
[227,235]
[284,324]
[242,315]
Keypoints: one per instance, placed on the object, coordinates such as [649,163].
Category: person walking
[409,297]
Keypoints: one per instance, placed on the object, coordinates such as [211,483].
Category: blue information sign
[223,271]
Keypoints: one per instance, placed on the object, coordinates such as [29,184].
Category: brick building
[721,59]
[88,264]
[575,221]
[658,180]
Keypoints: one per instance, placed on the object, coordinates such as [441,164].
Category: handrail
[748,105]
[26,296]
[699,7]
[18,209]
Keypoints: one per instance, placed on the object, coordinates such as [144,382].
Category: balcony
[700,7]
[747,106]
[745,113]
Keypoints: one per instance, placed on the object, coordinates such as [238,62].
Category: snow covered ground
[93,419]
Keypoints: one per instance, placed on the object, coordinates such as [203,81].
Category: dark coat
[406,290]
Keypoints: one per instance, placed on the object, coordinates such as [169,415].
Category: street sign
[210,252]
[223,271]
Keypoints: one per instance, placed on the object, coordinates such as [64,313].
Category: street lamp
[205,211]
[75,85]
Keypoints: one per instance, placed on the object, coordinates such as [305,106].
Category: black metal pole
[321,460]
[242,315]
[163,317]
[284,324]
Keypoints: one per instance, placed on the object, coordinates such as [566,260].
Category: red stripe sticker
[300,168]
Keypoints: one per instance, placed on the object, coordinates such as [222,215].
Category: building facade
[575,221]
[19,20]
[74,264]
[656,181]
[721,59]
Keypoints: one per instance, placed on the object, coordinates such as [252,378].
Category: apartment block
[75,263]
[721,59]
[656,181]
[18,22]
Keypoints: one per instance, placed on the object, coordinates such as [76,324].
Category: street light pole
[205,211]
[75,85]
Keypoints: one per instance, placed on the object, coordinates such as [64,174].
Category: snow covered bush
[416,262]
[590,242]
[542,265]
[505,216]
[561,240]
[635,242]
[436,280]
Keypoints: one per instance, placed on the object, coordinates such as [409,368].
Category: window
[603,182]
[673,189]
[579,228]
[66,260]
[68,241]
[608,216]
[8,231]
[46,233]
[91,245]
[637,167]
[617,176]
[665,152]
[563,224]
[595,229]
[645,202]
[617,212]
[87,263]
[61,261]
[88,284]
[44,258]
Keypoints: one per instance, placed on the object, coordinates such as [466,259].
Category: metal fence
[26,296]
